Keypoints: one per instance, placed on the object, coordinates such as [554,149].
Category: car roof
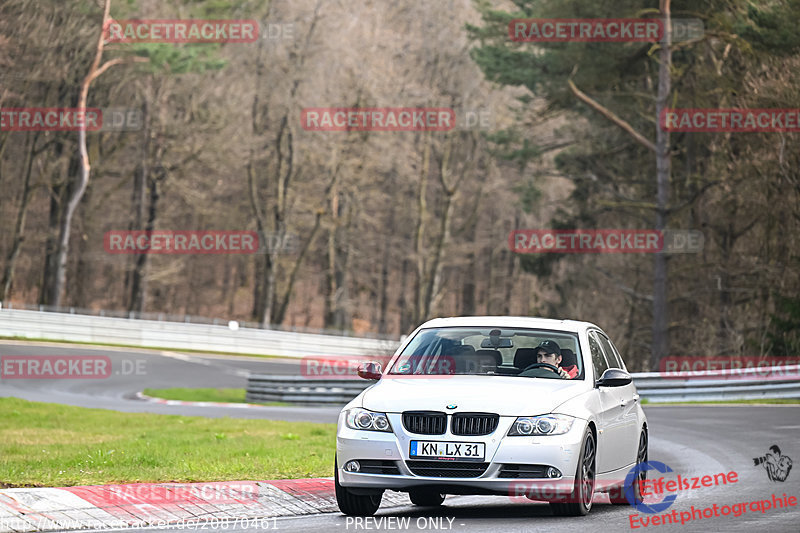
[572,326]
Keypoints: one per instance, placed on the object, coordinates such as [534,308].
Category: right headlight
[526,426]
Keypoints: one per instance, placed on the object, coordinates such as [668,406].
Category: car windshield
[488,351]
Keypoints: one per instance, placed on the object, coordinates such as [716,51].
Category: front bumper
[503,455]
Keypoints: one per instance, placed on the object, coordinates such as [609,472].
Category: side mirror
[369,370]
[614,377]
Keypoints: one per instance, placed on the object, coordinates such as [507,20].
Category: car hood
[506,396]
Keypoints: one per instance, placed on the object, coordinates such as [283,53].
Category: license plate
[470,451]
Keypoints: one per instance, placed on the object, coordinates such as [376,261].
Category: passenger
[569,362]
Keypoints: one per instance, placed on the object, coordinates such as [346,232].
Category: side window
[598,359]
[618,356]
[611,354]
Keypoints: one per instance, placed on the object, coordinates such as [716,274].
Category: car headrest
[498,358]
[476,363]
[524,357]
[568,358]
[463,349]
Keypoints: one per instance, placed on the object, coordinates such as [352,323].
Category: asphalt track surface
[692,440]
[135,370]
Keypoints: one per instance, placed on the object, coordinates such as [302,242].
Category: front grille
[523,471]
[474,423]
[447,468]
[425,422]
[370,466]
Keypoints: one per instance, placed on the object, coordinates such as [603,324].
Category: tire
[426,498]
[617,494]
[354,504]
[579,502]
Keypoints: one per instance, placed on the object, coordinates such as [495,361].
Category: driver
[550,352]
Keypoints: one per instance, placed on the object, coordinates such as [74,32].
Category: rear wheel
[425,497]
[617,494]
[579,503]
[354,504]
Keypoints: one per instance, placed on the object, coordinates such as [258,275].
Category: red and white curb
[144,397]
[160,504]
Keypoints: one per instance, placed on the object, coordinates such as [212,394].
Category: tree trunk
[468,285]
[406,309]
[281,310]
[95,70]
[138,274]
[432,292]
[383,294]
[59,192]
[19,227]
[332,318]
[419,234]
[660,347]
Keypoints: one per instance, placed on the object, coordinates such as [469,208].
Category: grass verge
[207,395]
[53,445]
[199,395]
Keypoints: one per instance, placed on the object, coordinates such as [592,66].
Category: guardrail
[656,387]
[183,336]
[298,389]
[188,319]
[712,385]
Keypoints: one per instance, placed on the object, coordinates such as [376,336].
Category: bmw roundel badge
[451,406]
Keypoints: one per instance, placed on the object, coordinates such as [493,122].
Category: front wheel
[579,502]
[425,497]
[354,504]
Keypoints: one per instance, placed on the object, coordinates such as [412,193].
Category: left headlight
[367,420]
[540,425]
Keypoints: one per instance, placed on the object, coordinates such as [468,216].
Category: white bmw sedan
[508,406]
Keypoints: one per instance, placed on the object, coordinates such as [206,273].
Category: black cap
[549,347]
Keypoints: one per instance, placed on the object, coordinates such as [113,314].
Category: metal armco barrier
[183,336]
[783,382]
[712,385]
[299,389]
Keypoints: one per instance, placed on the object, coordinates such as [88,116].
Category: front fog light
[352,466]
[553,472]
